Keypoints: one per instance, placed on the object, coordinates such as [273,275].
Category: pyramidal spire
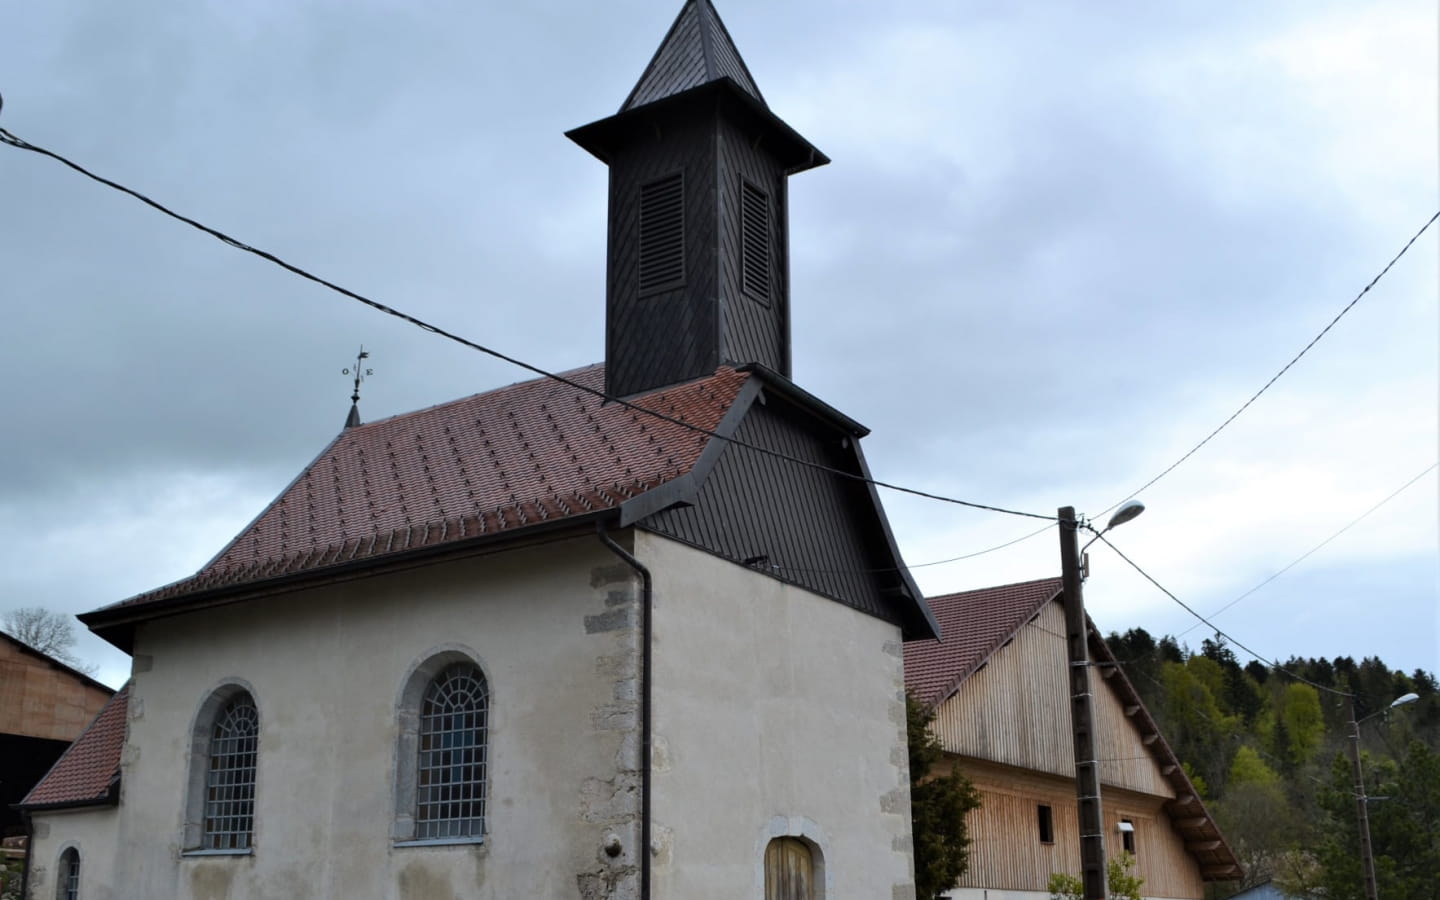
[697,50]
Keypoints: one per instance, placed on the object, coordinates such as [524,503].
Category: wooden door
[789,870]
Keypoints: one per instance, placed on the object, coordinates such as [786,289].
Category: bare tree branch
[50,632]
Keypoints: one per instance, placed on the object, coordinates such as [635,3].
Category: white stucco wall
[327,667]
[91,831]
[776,712]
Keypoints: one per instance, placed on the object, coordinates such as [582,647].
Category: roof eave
[111,795]
[918,621]
[1188,801]
[804,399]
[65,667]
[602,137]
[116,624]
[111,798]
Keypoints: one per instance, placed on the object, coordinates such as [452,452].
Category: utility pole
[1082,713]
[1367,853]
[1362,810]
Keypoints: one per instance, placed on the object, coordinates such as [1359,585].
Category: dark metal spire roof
[696,64]
[697,50]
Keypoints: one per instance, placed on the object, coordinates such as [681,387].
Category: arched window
[442,750]
[220,806]
[789,870]
[67,881]
[230,779]
[451,763]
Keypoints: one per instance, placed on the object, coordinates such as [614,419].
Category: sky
[1059,244]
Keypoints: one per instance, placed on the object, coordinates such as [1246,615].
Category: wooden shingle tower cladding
[697,267]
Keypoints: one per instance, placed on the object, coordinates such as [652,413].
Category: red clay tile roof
[530,453]
[975,624]
[85,772]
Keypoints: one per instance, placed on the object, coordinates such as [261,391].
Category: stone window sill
[442,842]
[248,851]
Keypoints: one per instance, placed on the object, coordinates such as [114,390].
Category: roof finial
[360,372]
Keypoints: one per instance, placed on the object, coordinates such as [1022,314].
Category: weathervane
[360,370]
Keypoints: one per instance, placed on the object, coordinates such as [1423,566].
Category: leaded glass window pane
[69,881]
[450,783]
[230,780]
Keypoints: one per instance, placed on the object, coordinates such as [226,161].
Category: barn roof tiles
[975,625]
[88,772]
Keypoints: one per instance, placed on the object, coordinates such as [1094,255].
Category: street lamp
[1127,511]
[1082,711]
[1367,853]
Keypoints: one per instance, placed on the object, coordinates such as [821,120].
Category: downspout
[29,851]
[647,603]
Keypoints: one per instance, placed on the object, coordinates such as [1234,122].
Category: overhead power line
[936,562]
[1283,369]
[1234,415]
[1274,665]
[1011,543]
[10,139]
[1308,553]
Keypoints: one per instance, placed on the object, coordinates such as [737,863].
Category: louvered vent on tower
[662,234]
[696,271]
[755,242]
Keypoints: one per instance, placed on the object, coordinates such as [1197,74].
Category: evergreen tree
[1257,671]
[1191,719]
[1170,650]
[938,807]
[1255,741]
[1402,828]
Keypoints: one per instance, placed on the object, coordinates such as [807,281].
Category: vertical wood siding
[1006,852]
[1016,711]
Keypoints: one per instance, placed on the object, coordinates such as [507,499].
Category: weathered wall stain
[211,881]
[420,883]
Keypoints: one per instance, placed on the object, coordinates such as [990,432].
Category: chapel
[634,631]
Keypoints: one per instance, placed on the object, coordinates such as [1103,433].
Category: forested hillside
[1269,751]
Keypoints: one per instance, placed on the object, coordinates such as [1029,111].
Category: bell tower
[697,271]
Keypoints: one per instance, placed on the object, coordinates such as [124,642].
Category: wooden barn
[1000,690]
[44,705]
